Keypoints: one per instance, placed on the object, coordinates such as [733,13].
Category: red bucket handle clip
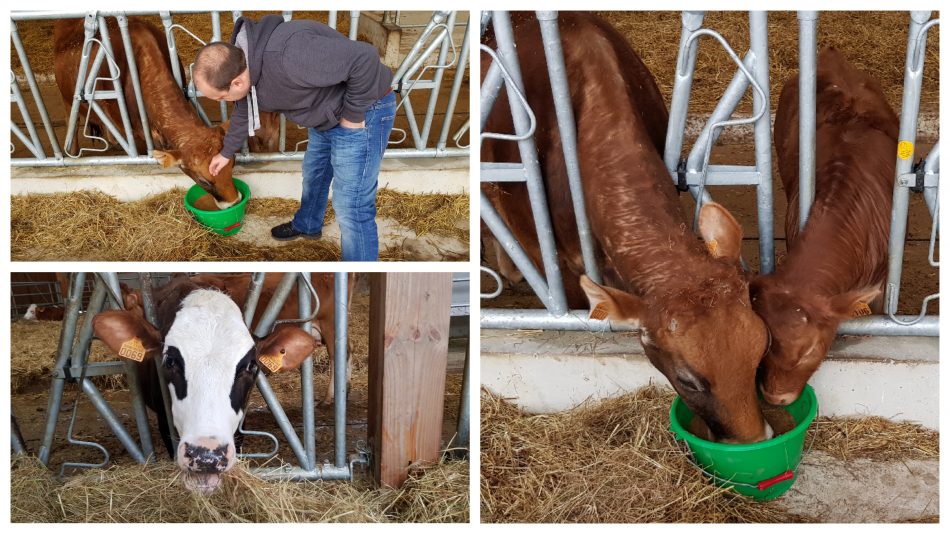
[232,227]
[769,482]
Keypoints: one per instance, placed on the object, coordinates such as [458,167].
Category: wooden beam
[408,350]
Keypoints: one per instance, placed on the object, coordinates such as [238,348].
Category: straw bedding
[611,461]
[153,494]
[92,225]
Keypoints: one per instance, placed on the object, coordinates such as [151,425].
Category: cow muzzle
[203,461]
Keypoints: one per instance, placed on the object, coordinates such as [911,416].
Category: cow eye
[690,383]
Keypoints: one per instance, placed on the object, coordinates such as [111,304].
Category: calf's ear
[720,230]
[619,307]
[852,304]
[129,335]
[285,349]
[167,158]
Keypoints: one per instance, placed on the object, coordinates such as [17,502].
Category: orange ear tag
[712,246]
[271,361]
[599,312]
[132,349]
[860,310]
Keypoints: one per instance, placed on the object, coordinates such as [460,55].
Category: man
[335,87]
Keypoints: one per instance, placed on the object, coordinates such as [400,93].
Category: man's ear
[167,158]
[128,335]
[619,307]
[852,304]
[720,230]
[284,349]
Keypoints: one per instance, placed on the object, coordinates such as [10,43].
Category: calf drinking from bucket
[688,298]
[210,360]
[836,266]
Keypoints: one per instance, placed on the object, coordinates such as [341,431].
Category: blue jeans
[349,158]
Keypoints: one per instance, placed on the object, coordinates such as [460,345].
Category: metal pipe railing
[86,93]
[340,365]
[807,87]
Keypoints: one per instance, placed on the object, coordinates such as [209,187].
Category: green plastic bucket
[763,470]
[224,222]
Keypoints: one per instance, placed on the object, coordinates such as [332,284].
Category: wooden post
[408,351]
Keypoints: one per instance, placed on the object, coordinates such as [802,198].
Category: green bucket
[224,222]
[763,470]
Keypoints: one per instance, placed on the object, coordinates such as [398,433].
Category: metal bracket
[681,184]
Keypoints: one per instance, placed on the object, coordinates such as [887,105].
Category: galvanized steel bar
[111,280]
[273,308]
[34,145]
[490,89]
[402,72]
[136,82]
[807,88]
[576,320]
[89,28]
[682,84]
[341,377]
[556,301]
[464,415]
[102,406]
[514,249]
[437,78]
[172,47]
[354,24]
[724,109]
[70,14]
[35,91]
[331,19]
[253,296]
[304,305]
[273,404]
[567,129]
[296,474]
[759,48]
[932,166]
[68,332]
[456,89]
[23,138]
[117,86]
[910,108]
[16,438]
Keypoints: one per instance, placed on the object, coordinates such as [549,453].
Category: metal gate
[435,40]
[72,366]
[694,172]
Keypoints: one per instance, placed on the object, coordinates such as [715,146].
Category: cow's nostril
[206,460]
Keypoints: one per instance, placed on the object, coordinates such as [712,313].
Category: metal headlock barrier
[72,366]
[435,40]
[694,172]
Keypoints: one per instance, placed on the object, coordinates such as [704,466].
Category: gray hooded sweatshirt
[307,71]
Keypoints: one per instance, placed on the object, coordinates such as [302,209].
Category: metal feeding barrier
[72,366]
[435,40]
[694,172]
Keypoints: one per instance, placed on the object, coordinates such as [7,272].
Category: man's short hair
[219,63]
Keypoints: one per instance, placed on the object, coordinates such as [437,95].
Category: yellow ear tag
[132,349]
[860,310]
[271,361]
[599,312]
[712,246]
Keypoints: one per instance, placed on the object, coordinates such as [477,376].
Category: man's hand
[218,162]
[347,124]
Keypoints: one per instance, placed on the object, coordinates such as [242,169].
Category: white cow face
[210,361]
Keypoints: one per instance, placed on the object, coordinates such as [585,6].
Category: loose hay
[615,461]
[94,226]
[154,494]
[33,346]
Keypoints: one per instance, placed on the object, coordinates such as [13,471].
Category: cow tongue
[204,482]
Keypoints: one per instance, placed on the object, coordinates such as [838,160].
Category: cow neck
[648,242]
[169,112]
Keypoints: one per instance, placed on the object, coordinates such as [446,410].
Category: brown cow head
[803,325]
[194,157]
[703,335]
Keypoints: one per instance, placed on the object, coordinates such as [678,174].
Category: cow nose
[779,399]
[205,456]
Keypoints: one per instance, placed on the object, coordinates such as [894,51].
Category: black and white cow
[211,362]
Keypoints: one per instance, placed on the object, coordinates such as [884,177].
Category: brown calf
[837,265]
[688,298]
[179,135]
